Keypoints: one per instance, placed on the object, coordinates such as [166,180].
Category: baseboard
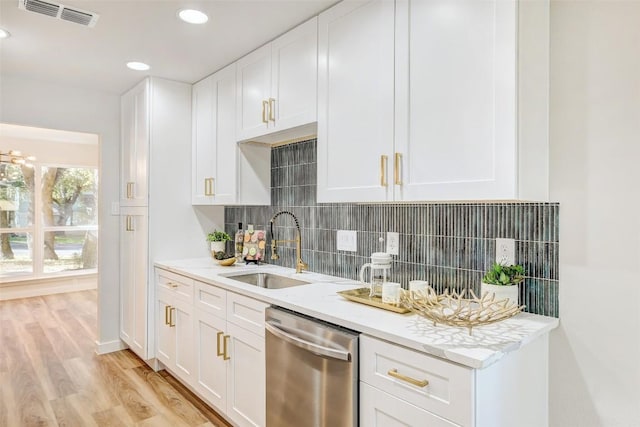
[110,346]
[47,286]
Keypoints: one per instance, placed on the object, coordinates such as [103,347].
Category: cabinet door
[226,148]
[355,101]
[214,152]
[254,83]
[211,368]
[166,341]
[294,77]
[246,377]
[133,279]
[203,141]
[455,100]
[379,409]
[182,318]
[134,150]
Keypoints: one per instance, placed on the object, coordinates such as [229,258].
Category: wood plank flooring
[51,376]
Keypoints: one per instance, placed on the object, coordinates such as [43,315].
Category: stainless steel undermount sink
[268,280]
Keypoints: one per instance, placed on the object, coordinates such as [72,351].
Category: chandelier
[15,157]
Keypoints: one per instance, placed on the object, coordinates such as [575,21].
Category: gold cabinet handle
[166,314]
[272,109]
[265,105]
[218,352]
[129,223]
[129,190]
[225,343]
[383,170]
[208,187]
[396,169]
[172,311]
[420,383]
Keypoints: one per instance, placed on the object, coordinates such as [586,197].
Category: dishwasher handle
[309,346]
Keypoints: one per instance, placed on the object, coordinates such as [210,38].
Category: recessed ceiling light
[4,34]
[138,66]
[193,16]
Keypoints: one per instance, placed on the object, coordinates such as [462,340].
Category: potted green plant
[218,241]
[502,281]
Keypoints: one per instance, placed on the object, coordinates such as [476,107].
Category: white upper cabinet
[134,153]
[214,148]
[419,102]
[294,77]
[355,101]
[455,100]
[254,91]
[277,84]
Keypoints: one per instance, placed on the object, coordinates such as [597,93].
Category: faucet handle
[274,251]
[301,265]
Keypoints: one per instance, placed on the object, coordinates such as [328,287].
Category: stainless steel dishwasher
[312,372]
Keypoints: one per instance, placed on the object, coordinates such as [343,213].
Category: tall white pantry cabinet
[156,217]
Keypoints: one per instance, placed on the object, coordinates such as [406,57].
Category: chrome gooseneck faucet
[300,264]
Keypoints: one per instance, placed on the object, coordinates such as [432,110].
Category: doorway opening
[48,211]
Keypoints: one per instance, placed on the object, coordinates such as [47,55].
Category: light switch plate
[347,240]
[393,243]
[505,251]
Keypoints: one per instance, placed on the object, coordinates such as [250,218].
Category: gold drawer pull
[383,170]
[265,107]
[225,356]
[219,353]
[172,285]
[172,311]
[420,383]
[396,169]
[129,224]
[272,109]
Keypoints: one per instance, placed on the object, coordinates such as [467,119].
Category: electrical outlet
[506,251]
[347,240]
[393,243]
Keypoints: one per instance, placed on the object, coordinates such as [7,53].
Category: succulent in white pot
[502,281]
[218,241]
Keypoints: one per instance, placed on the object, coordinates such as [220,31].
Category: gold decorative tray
[454,309]
[361,295]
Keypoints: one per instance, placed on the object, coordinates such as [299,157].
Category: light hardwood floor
[51,376]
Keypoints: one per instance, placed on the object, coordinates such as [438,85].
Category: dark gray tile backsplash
[448,244]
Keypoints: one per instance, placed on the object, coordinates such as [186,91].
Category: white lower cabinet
[404,387]
[229,369]
[134,232]
[246,377]
[175,334]
[380,409]
[211,369]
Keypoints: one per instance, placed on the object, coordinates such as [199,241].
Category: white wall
[595,175]
[40,104]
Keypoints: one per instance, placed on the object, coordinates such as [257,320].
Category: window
[49,220]
[16,219]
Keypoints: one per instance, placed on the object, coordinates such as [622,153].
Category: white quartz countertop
[319,299]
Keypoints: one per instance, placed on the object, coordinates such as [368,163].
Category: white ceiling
[70,54]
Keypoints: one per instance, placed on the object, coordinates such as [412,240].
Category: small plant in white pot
[218,241]
[502,280]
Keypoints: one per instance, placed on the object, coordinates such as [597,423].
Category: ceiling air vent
[59,11]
